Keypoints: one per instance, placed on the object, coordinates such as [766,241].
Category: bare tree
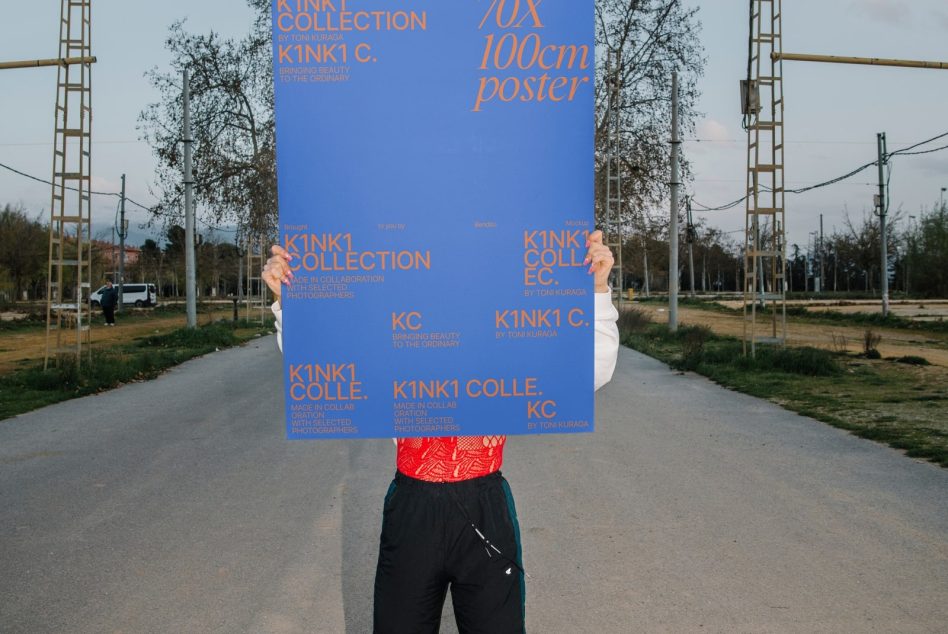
[232,110]
[233,126]
[650,38]
[856,249]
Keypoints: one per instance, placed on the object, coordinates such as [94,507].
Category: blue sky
[832,115]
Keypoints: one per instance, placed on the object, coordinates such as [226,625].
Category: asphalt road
[177,506]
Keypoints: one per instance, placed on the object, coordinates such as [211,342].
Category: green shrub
[693,340]
[806,361]
[633,320]
[726,352]
[913,360]
[65,377]
[870,341]
[216,335]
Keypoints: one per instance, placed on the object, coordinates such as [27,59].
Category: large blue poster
[435,162]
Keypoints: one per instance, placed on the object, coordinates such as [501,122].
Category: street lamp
[941,197]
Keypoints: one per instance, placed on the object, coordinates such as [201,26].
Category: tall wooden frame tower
[614,221]
[764,283]
[68,313]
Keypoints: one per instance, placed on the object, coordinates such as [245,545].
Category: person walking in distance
[108,301]
[449,519]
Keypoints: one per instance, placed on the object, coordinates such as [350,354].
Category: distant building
[111,253]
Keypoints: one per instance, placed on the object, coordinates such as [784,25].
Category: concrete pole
[691,266]
[122,232]
[884,277]
[822,282]
[673,227]
[691,247]
[190,277]
[645,265]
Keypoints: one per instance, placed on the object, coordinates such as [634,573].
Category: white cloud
[102,184]
[890,12]
[713,130]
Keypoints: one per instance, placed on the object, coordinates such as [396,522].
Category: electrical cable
[151,210]
[722,207]
[861,168]
[905,150]
[903,153]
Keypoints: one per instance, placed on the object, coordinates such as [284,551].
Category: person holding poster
[449,517]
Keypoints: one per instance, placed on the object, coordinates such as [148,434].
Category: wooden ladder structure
[764,284]
[68,313]
[255,300]
[613,228]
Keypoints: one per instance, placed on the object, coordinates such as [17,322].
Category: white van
[136,294]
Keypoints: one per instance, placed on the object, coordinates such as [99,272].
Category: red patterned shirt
[450,459]
[455,458]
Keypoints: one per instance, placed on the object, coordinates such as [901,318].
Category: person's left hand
[600,260]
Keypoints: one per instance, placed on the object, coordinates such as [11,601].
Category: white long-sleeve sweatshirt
[606,338]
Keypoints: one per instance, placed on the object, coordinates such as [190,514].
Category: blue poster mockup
[435,170]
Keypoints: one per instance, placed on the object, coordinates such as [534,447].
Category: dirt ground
[894,343]
[18,348]
[919,310]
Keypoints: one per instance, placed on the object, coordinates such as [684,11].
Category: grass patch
[32,387]
[879,400]
[867,319]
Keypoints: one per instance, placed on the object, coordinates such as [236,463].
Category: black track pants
[428,544]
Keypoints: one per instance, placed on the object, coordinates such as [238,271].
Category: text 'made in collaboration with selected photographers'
[435,171]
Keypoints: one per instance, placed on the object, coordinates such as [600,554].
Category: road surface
[177,506]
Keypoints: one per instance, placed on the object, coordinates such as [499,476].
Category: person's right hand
[276,271]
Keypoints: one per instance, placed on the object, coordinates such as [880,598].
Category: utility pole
[190,285]
[122,232]
[821,254]
[790,277]
[645,265]
[884,272]
[690,239]
[673,227]
[239,241]
[835,263]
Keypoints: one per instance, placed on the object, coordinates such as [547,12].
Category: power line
[151,210]
[912,147]
[46,182]
[937,149]
[832,181]
[903,152]
[806,142]
[47,144]
[722,207]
